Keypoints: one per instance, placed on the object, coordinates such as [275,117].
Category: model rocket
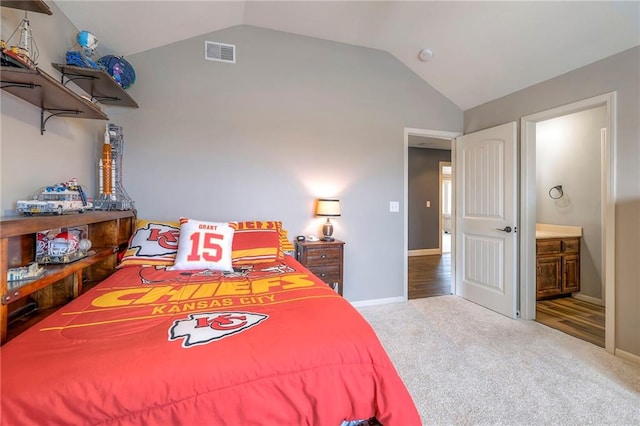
[106,167]
[112,193]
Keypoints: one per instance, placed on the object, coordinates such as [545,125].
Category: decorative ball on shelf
[118,68]
[87,41]
[84,244]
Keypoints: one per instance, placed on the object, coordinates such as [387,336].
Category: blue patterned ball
[118,68]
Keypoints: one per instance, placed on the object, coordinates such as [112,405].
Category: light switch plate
[394,206]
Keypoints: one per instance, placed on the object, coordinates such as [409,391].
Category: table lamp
[328,208]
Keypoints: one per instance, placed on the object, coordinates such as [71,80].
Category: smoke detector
[425,54]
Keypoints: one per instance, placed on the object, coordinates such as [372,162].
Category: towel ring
[558,192]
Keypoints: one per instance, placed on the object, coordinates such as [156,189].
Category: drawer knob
[323,274]
[323,256]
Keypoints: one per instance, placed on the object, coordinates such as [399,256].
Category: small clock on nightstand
[324,259]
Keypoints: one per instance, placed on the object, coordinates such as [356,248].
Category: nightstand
[324,259]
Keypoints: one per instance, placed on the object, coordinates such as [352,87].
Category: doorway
[423,261]
[568,200]
[530,209]
[527,201]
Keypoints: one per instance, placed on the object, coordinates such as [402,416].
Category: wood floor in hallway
[429,276]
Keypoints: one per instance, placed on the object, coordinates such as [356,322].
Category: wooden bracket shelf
[53,97]
[40,89]
[30,5]
[97,83]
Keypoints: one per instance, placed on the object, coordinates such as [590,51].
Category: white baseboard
[628,356]
[424,252]
[373,302]
[589,299]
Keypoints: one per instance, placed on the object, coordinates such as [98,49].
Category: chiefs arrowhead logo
[205,327]
[164,237]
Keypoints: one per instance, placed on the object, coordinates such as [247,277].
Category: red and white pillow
[155,243]
[204,245]
[256,242]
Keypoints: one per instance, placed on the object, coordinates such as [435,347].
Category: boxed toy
[62,245]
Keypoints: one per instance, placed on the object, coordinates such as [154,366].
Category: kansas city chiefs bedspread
[266,345]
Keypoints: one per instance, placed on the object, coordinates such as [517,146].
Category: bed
[262,342]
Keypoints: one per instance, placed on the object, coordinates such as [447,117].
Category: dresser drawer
[552,246]
[328,273]
[324,260]
[548,246]
[571,245]
[317,256]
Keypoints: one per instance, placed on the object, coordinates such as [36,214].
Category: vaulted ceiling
[481,50]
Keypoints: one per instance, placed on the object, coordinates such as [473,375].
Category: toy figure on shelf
[23,273]
[112,195]
[25,53]
[62,245]
[57,199]
[88,43]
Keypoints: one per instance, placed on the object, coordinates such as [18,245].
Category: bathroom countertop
[545,231]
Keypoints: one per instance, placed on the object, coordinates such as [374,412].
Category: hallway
[429,276]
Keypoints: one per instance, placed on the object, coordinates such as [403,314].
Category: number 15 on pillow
[204,245]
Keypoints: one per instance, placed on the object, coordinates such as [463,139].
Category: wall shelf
[40,89]
[54,273]
[32,6]
[98,84]
[109,232]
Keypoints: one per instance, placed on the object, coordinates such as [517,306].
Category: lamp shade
[328,207]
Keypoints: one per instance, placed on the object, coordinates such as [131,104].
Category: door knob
[506,229]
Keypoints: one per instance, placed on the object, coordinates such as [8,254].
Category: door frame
[528,206]
[441,165]
[440,134]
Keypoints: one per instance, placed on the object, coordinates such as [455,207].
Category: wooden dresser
[324,259]
[31,300]
[557,266]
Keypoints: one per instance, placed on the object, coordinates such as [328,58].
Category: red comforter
[272,346]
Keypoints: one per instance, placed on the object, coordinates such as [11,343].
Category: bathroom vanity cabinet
[557,266]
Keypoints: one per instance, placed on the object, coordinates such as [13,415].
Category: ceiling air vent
[219,52]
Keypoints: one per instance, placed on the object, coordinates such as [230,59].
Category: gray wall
[620,73]
[294,119]
[424,184]
[568,154]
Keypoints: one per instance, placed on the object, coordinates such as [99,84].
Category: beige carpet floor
[466,365]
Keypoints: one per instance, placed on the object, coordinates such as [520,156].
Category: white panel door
[486,218]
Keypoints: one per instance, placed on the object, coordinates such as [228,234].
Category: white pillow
[204,245]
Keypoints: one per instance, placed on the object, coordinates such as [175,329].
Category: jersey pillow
[204,245]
